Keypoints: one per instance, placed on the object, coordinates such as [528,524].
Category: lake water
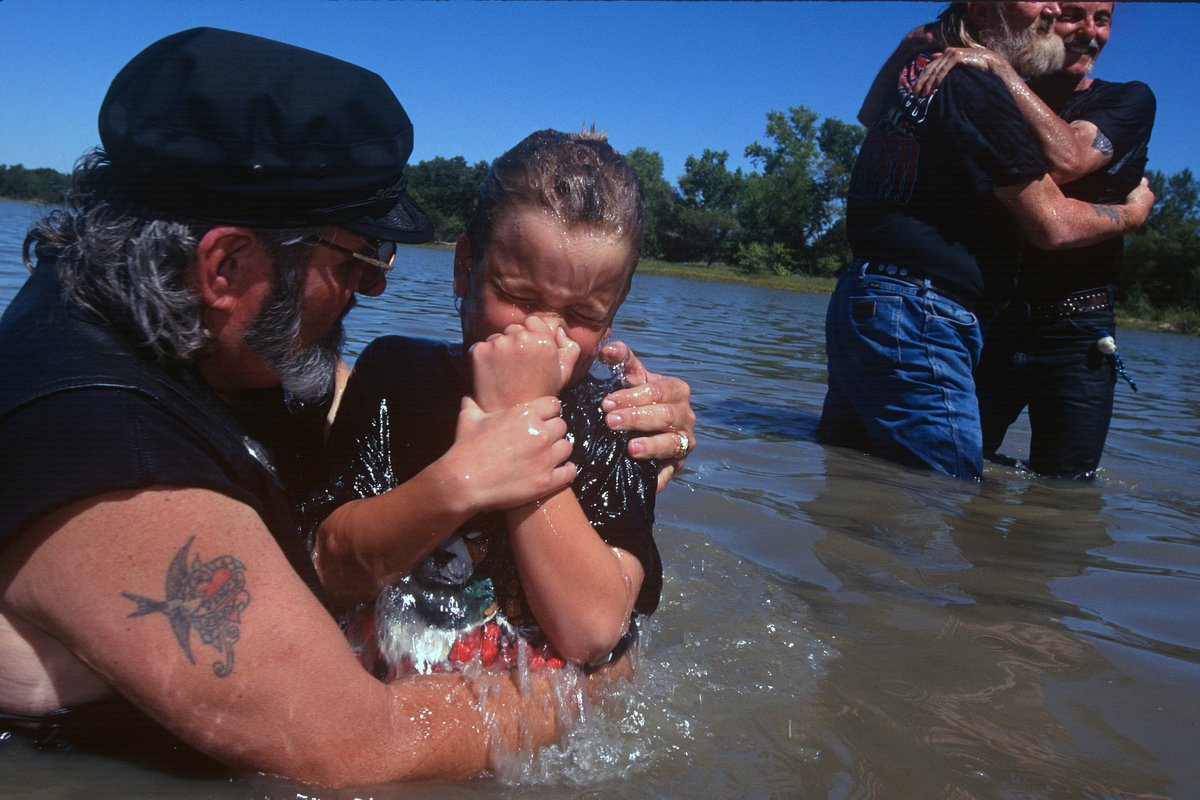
[834,626]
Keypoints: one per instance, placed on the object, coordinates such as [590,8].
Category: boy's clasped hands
[511,439]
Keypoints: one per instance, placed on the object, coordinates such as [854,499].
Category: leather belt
[1098,299]
[907,275]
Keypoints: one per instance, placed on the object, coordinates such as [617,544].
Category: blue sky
[477,76]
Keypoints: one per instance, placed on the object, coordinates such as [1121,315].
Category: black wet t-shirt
[399,413]
[921,194]
[1124,113]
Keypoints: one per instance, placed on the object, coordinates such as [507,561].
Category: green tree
[447,188]
[799,194]
[42,184]
[781,202]
[707,183]
[1160,267]
[769,259]
[707,227]
[658,199]
[703,234]
[839,142]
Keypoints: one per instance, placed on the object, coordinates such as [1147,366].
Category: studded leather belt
[1098,299]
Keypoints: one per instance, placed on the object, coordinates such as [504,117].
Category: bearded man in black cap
[150,571]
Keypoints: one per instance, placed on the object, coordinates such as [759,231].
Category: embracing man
[946,187]
[1049,349]
[149,564]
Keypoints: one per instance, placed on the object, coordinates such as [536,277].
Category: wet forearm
[449,727]
[418,727]
[367,544]
[1050,221]
[1063,146]
[1076,223]
[579,588]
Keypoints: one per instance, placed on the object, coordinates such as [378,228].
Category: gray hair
[307,373]
[1031,52]
[129,265]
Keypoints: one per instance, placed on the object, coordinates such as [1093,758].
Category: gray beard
[1095,47]
[1031,52]
[306,373]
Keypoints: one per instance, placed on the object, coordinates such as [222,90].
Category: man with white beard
[945,187]
[1050,349]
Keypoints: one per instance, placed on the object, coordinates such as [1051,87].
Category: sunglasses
[377,253]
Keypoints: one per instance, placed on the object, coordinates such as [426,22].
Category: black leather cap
[226,127]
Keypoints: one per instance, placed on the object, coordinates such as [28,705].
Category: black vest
[47,347]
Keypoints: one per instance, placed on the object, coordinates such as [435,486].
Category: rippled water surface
[833,626]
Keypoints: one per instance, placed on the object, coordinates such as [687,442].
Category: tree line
[784,216]
[41,185]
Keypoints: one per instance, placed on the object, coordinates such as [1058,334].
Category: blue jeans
[900,383]
[1055,369]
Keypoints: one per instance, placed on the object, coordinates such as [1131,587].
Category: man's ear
[229,261]
[980,14]
[462,266]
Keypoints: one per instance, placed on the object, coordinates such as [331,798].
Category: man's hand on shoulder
[935,74]
[655,405]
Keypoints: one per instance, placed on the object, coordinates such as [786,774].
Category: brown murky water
[834,626]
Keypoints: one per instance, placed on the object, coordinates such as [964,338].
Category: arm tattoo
[1102,144]
[208,597]
[1108,212]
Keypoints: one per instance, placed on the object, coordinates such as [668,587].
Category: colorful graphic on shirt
[886,170]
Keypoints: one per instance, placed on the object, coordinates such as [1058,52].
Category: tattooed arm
[1051,221]
[1072,149]
[180,600]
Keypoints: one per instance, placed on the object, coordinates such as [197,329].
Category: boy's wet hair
[577,177]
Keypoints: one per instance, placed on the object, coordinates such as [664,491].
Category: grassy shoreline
[1161,321]
[1169,320]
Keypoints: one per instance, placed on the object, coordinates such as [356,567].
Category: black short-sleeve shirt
[77,444]
[398,415]
[921,194]
[83,412]
[1124,114]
